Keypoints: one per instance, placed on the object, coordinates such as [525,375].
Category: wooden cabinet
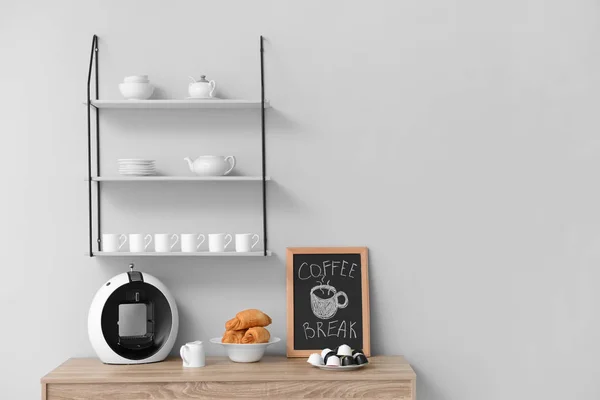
[386,377]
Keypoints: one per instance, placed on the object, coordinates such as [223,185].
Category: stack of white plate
[136,167]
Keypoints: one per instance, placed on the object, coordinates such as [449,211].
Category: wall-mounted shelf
[180,254]
[93,104]
[179,178]
[174,104]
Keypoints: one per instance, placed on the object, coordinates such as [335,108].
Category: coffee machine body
[133,319]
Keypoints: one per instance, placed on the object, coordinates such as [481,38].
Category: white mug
[216,242]
[138,243]
[189,242]
[112,242]
[161,242]
[243,242]
[192,354]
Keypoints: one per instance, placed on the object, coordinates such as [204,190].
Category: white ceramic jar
[202,89]
[136,87]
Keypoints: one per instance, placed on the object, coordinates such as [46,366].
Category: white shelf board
[218,103]
[179,178]
[180,254]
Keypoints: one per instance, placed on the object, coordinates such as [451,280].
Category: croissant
[233,336]
[247,319]
[256,335]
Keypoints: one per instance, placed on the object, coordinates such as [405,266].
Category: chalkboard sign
[327,299]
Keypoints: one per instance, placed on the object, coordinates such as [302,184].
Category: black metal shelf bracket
[94,66]
[264,162]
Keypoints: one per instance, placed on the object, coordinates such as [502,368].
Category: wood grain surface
[221,369]
[229,390]
[386,377]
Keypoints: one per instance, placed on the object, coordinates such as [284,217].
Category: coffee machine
[133,319]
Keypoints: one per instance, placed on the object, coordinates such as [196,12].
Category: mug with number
[112,242]
[217,242]
[138,243]
[164,242]
[191,242]
[243,242]
[324,301]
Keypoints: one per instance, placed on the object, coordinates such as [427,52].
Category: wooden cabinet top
[220,369]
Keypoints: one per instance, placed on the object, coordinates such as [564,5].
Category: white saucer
[203,98]
[340,368]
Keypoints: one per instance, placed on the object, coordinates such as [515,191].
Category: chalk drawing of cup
[324,300]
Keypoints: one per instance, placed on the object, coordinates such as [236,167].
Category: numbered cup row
[167,242]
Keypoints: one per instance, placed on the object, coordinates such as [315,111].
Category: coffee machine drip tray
[136,342]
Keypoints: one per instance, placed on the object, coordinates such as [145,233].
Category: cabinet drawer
[401,390]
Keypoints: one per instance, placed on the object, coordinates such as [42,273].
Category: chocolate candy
[360,359]
[356,351]
[348,361]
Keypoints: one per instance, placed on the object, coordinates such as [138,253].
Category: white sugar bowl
[202,89]
[136,87]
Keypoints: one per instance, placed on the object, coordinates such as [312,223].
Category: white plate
[136,164]
[136,159]
[203,98]
[336,368]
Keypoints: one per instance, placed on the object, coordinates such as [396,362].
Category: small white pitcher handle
[147,240]
[174,236]
[231,160]
[123,240]
[257,240]
[213,85]
[203,240]
[182,354]
[230,239]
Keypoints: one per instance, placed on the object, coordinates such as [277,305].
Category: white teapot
[202,89]
[211,165]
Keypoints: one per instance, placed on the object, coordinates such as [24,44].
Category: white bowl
[136,78]
[245,353]
[136,90]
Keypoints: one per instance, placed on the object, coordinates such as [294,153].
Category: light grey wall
[457,140]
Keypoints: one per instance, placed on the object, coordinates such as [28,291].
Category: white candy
[333,360]
[315,359]
[344,350]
